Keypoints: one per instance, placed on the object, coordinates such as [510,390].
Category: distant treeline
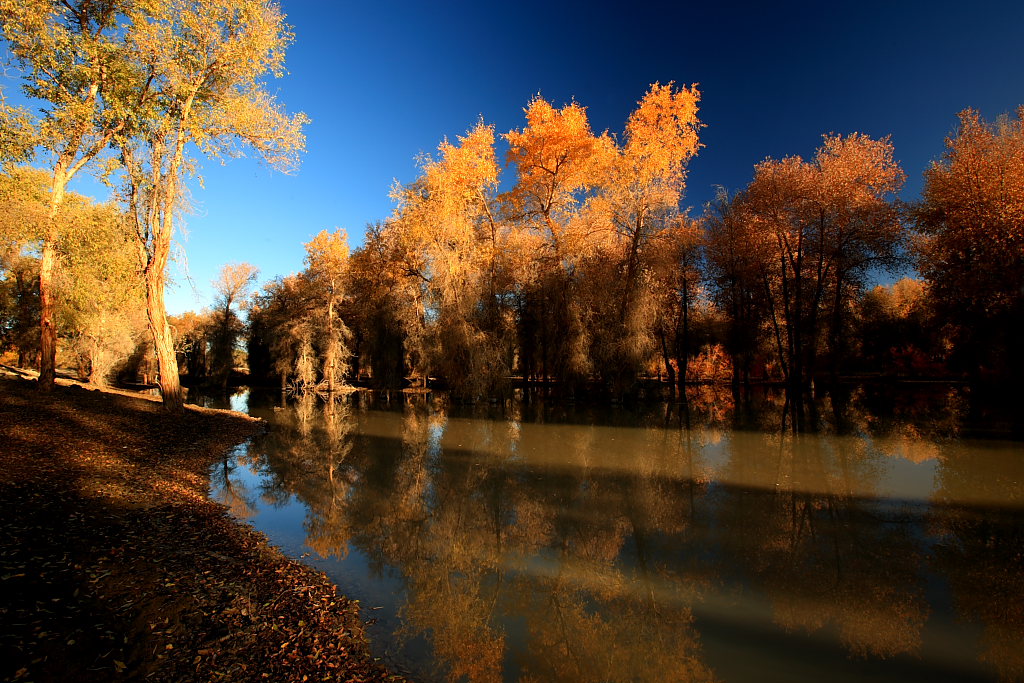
[586,272]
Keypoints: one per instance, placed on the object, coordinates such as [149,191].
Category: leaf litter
[117,566]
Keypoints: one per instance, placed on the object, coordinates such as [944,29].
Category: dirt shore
[115,565]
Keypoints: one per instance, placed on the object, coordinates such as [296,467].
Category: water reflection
[822,546]
[535,542]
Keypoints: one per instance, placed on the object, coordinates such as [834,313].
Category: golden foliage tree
[95,289]
[897,331]
[450,242]
[71,55]
[327,261]
[297,330]
[638,199]
[233,286]
[100,301]
[379,291]
[279,332]
[199,71]
[559,164]
[676,291]
[738,266]
[972,249]
[818,227]
[24,205]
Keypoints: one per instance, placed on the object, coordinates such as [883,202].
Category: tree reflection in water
[981,546]
[818,544]
[540,542]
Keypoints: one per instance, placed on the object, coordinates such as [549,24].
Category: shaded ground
[115,566]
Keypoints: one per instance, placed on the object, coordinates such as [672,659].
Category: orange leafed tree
[327,260]
[199,80]
[378,294]
[738,266]
[70,54]
[450,241]
[972,250]
[638,199]
[558,160]
[822,224]
[559,164]
[233,285]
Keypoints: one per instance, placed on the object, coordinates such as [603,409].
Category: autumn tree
[637,200]
[297,333]
[200,68]
[96,292]
[19,131]
[822,225]
[971,253]
[100,301]
[896,332]
[24,204]
[866,232]
[192,341]
[70,54]
[559,163]
[378,292]
[233,286]
[19,308]
[279,332]
[327,260]
[449,240]
[738,267]
[676,289]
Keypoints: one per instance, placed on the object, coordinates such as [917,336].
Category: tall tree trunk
[48,333]
[47,329]
[163,344]
[156,311]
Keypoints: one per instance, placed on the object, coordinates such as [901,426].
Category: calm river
[550,542]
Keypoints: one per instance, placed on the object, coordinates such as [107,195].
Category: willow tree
[200,67]
[71,54]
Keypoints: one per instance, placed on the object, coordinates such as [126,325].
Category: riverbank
[116,566]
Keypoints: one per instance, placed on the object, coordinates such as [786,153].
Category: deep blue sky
[383,81]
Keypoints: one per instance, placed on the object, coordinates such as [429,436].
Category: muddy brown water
[537,541]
